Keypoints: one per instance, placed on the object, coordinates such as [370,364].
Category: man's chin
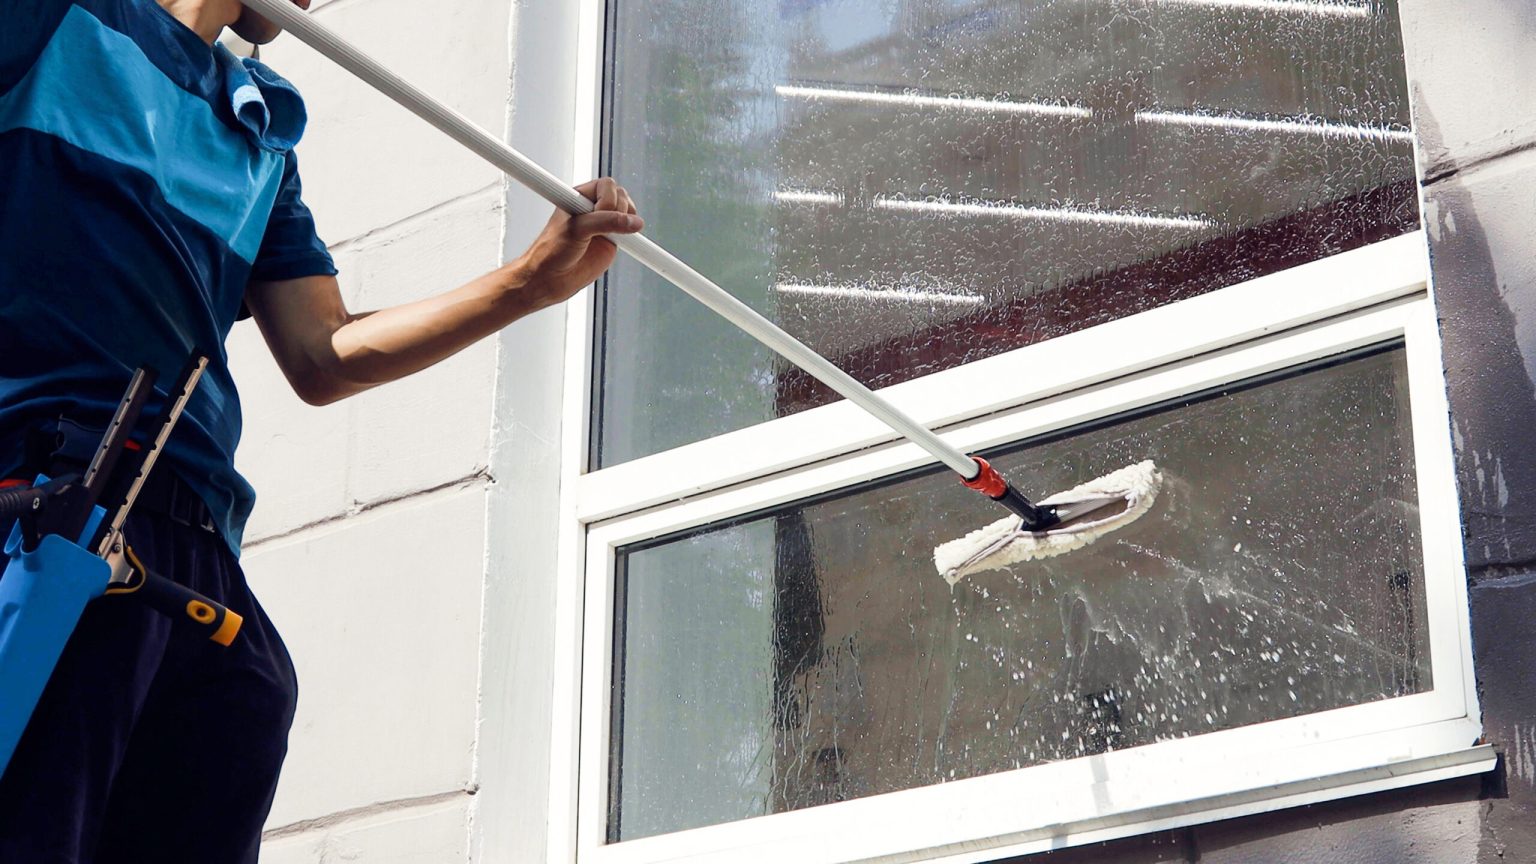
[255,29]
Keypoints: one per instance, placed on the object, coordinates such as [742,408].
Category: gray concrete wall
[1472,68]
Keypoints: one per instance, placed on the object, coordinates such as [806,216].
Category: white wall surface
[368,546]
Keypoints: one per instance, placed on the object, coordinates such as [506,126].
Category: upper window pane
[908,185]
[811,654]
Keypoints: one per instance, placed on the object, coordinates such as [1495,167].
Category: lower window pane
[811,654]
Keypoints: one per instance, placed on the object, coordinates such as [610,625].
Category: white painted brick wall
[401,438]
[434,831]
[366,162]
[368,544]
[1459,124]
[382,615]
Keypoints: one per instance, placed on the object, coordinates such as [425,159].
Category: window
[1072,234]
[915,185]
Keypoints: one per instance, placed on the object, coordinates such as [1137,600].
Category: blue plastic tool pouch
[42,594]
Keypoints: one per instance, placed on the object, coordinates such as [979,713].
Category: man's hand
[329,353]
[571,253]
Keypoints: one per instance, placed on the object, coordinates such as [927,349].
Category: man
[149,196]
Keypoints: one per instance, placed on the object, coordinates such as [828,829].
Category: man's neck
[207,18]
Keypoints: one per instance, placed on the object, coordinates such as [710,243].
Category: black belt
[168,495]
[65,446]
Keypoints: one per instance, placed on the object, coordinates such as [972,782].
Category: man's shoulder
[86,32]
[143,21]
[27,29]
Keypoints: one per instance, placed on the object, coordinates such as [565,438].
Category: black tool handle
[15,503]
[1032,516]
[180,602]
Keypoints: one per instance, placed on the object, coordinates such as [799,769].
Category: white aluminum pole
[642,249]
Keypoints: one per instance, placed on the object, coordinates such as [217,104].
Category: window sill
[1478,759]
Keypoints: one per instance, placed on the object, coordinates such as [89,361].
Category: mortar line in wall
[401,226]
[330,820]
[367,507]
[1506,574]
[1449,168]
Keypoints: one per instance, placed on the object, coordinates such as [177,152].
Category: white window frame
[1367,296]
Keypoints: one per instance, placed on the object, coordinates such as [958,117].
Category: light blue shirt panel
[203,168]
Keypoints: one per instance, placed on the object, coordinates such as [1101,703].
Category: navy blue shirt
[145,179]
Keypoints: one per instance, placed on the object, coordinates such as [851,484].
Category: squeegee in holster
[67,548]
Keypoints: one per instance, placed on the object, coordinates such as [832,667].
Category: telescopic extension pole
[976,473]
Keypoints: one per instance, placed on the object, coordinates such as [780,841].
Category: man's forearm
[328,353]
[373,348]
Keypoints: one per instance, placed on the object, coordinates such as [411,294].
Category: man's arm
[328,353]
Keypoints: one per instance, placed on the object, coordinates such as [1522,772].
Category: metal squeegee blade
[1004,542]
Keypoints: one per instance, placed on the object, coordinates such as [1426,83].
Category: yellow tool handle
[180,602]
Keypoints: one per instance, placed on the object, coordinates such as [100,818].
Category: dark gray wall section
[1481,218]
[1504,646]
[1472,68]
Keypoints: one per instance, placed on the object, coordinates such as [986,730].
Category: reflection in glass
[811,654]
[909,185]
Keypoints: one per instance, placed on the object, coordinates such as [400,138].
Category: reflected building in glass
[911,186]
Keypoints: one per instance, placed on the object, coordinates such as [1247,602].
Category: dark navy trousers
[152,744]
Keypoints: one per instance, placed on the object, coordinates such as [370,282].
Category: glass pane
[908,185]
[811,654]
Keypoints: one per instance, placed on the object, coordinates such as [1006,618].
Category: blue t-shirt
[145,178]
